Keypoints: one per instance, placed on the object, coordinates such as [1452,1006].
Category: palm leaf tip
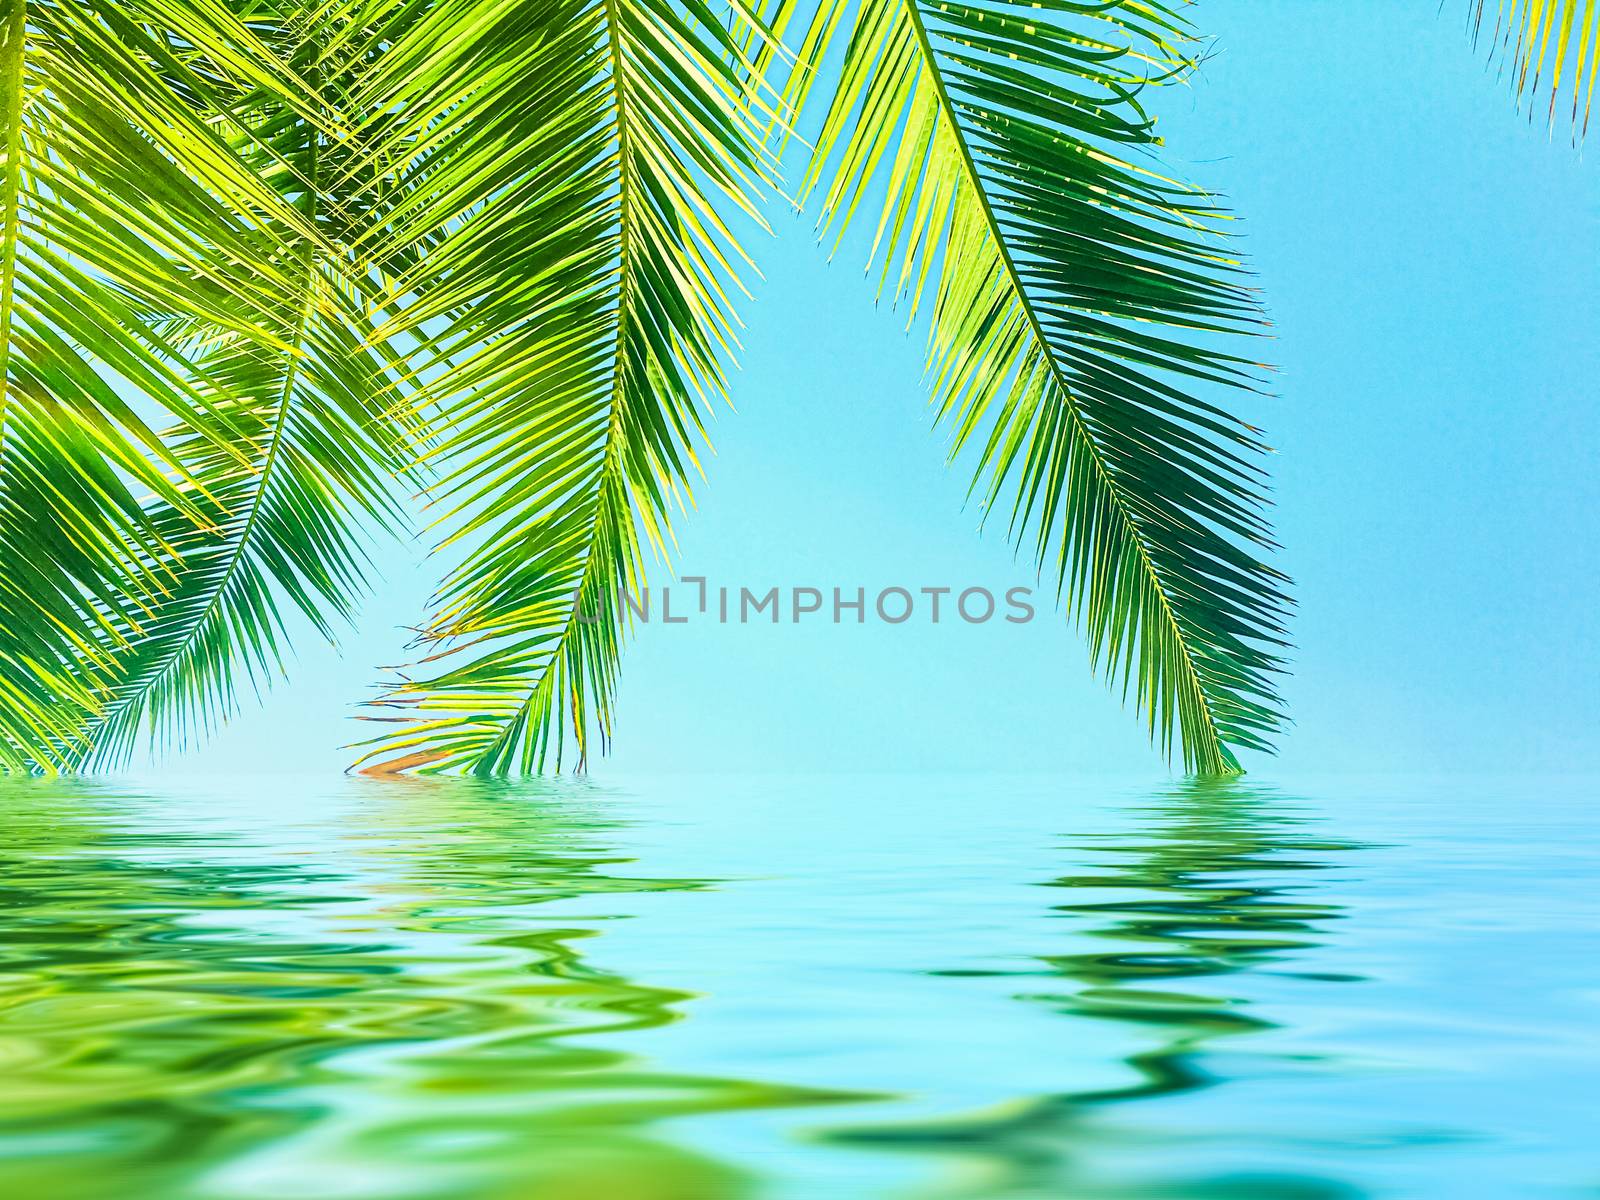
[1083,303]
[1548,47]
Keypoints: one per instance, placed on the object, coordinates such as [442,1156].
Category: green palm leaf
[117,201]
[574,305]
[1079,298]
[1550,46]
[314,419]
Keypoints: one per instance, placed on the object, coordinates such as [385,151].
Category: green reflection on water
[369,1001]
[1209,880]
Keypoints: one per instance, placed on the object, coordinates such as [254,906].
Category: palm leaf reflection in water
[376,1005]
[1216,885]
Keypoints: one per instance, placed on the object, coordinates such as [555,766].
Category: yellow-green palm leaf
[125,216]
[292,462]
[1081,302]
[1550,48]
[575,310]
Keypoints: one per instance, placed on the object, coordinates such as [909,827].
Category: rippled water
[948,989]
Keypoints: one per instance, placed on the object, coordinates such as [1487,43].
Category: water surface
[956,988]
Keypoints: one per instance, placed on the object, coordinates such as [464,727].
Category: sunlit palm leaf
[1079,298]
[574,302]
[1549,47]
[314,420]
[117,201]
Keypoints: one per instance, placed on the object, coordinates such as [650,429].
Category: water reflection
[387,991]
[369,993]
[1207,882]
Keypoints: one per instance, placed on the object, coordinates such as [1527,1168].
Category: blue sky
[1430,260]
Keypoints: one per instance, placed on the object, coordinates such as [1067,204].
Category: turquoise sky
[1430,260]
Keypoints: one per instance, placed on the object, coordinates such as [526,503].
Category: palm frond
[572,291]
[313,417]
[1079,299]
[1549,47]
[117,202]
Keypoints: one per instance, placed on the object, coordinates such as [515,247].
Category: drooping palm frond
[1548,46]
[1078,301]
[116,201]
[314,418]
[575,307]
[286,529]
